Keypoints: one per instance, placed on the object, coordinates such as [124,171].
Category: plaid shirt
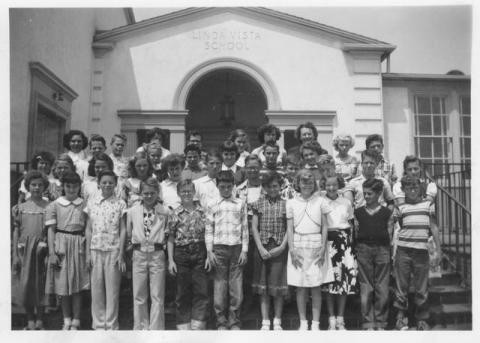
[227,223]
[271,218]
[189,225]
[384,170]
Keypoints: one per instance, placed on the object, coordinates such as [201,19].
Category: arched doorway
[223,100]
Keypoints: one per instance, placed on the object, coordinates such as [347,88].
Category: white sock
[315,325]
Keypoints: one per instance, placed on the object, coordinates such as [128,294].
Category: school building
[216,69]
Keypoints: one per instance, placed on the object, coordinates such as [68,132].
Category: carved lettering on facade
[226,40]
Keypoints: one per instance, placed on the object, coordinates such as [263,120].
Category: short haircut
[192,147]
[156,131]
[306,125]
[214,153]
[340,138]
[185,183]
[304,174]
[139,156]
[272,145]
[375,185]
[412,159]
[68,137]
[228,146]
[63,158]
[194,133]
[225,176]
[253,157]
[72,178]
[330,174]
[107,173]
[34,175]
[410,181]
[372,154]
[42,155]
[100,157]
[373,138]
[150,182]
[262,130]
[311,145]
[237,133]
[118,135]
[293,160]
[173,160]
[270,177]
[97,138]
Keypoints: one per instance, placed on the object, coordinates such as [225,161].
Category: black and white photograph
[241,166]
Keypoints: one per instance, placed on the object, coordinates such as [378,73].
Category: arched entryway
[222,100]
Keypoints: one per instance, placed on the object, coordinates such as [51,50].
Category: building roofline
[118,32]
[424,77]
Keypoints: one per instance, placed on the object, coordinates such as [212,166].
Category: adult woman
[306,132]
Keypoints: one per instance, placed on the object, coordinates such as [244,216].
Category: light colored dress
[348,168]
[307,241]
[72,275]
[28,286]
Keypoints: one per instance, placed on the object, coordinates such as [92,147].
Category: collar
[206,179]
[232,168]
[231,199]
[196,207]
[65,202]
[310,166]
[272,200]
[99,199]
[169,182]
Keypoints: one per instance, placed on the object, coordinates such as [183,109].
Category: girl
[66,243]
[96,165]
[270,258]
[147,223]
[105,235]
[230,154]
[340,225]
[62,165]
[29,249]
[240,138]
[140,169]
[75,142]
[307,236]
[269,133]
[345,164]
[41,161]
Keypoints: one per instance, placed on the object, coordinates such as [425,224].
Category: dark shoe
[402,324]
[422,326]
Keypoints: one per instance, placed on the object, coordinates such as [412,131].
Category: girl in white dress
[308,265]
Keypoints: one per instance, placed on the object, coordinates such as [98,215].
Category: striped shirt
[414,222]
[227,223]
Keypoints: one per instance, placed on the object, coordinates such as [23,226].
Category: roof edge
[129,15]
[424,77]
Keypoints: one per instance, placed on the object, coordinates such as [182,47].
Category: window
[49,130]
[431,131]
[465,126]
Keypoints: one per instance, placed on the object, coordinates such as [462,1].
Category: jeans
[373,276]
[410,261]
[227,285]
[105,285]
[192,283]
[148,277]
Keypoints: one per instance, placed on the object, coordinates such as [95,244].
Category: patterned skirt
[343,261]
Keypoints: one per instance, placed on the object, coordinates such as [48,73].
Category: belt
[148,247]
[75,233]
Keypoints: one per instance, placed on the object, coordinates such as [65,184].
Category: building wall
[309,71]
[399,109]
[60,39]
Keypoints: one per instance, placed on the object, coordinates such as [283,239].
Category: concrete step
[448,278]
[453,314]
[449,294]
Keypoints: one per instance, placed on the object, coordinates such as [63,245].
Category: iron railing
[453,208]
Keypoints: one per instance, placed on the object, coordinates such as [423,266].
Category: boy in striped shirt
[417,221]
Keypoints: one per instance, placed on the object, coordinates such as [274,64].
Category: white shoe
[315,326]
[332,323]
[340,324]
[303,325]
[265,325]
[277,324]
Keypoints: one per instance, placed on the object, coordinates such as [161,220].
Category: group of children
[254,223]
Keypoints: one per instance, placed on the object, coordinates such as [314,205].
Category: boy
[271,151]
[97,145]
[353,190]
[226,239]
[384,168]
[292,165]
[105,238]
[230,154]
[188,260]
[374,225]
[195,137]
[173,164]
[155,136]
[417,219]
[192,169]
[206,186]
[120,163]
